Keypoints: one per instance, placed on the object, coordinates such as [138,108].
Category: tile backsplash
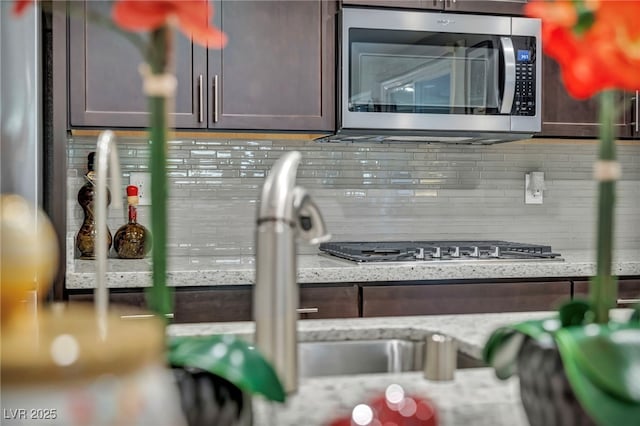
[377,191]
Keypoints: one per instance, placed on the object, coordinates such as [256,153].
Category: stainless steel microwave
[428,76]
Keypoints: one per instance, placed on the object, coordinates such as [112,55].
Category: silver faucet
[105,152]
[286,211]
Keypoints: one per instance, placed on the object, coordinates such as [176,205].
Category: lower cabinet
[434,299]
[220,304]
[628,291]
[235,303]
[348,300]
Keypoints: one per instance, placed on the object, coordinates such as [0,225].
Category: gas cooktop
[405,251]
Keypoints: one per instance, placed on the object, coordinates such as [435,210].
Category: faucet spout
[285,212]
[105,147]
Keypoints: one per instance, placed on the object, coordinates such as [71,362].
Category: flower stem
[603,287]
[159,298]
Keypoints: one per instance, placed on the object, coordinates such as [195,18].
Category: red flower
[192,17]
[605,56]
[19,6]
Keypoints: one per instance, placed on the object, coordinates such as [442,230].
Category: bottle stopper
[132,195]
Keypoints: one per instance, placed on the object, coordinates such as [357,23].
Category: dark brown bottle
[86,237]
[132,241]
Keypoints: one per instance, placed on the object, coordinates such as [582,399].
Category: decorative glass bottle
[132,241]
[86,237]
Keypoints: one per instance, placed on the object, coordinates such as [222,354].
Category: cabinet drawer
[432,299]
[223,304]
[130,299]
[331,301]
[235,303]
[220,304]
[628,291]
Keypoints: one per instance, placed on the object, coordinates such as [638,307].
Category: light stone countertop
[212,271]
[475,397]
[470,330]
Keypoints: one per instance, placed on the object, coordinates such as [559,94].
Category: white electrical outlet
[143,181]
[533,188]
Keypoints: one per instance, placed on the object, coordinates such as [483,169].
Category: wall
[379,191]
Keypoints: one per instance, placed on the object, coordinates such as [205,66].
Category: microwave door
[430,87]
[509,87]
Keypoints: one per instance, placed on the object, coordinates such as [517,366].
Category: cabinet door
[433,299]
[105,87]
[499,7]
[278,68]
[214,305]
[563,115]
[415,4]
[632,113]
[122,300]
[628,291]
[235,303]
[321,301]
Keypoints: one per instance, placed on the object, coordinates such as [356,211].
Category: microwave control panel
[524,102]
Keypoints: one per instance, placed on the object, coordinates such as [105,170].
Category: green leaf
[608,355]
[230,358]
[575,312]
[501,351]
[502,347]
[603,371]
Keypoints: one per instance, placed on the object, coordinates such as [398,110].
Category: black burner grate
[397,251]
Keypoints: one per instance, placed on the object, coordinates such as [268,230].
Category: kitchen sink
[366,356]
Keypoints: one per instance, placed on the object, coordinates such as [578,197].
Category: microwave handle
[509,55]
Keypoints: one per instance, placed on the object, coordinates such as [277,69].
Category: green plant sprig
[603,287]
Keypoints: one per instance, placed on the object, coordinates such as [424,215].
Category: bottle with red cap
[132,241]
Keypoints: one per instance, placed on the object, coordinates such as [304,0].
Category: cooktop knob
[437,253]
[455,252]
[419,254]
[475,252]
[495,252]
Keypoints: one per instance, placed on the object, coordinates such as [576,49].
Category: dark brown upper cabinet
[276,73]
[278,69]
[565,116]
[105,86]
[497,7]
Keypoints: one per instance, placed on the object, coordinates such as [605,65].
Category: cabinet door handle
[509,91]
[215,98]
[307,310]
[627,301]
[200,100]
[142,316]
